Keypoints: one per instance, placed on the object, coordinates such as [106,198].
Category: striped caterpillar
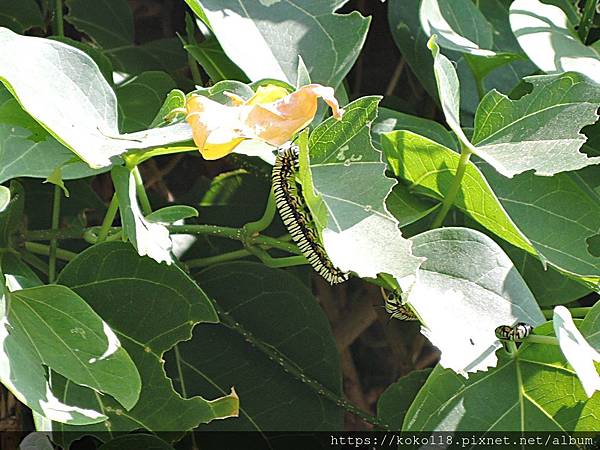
[515,333]
[395,307]
[296,216]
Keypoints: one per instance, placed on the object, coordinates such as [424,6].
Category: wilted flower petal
[270,115]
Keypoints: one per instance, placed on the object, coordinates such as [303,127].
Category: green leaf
[448,87]
[328,43]
[175,99]
[545,35]
[11,217]
[4,197]
[101,60]
[148,238]
[214,61]
[171,214]
[273,343]
[109,24]
[407,207]
[533,213]
[52,80]
[512,397]
[397,398]
[389,120]
[151,307]
[556,215]
[140,97]
[70,338]
[345,187]
[467,279]
[549,286]
[20,16]
[28,150]
[36,441]
[52,326]
[459,26]
[580,354]
[539,131]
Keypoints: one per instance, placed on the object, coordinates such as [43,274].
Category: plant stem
[141,191]
[55,226]
[449,198]
[211,230]
[269,261]
[587,20]
[538,339]
[575,312]
[289,366]
[263,223]
[41,249]
[35,262]
[210,260]
[58,27]
[109,218]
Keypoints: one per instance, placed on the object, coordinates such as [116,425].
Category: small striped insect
[515,333]
[296,216]
[395,307]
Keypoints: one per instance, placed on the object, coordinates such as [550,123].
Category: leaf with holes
[345,187]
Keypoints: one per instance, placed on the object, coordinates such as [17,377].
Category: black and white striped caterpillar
[296,216]
[395,307]
[517,332]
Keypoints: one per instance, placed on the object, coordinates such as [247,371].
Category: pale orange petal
[277,122]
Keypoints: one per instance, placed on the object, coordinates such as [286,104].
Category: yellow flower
[270,115]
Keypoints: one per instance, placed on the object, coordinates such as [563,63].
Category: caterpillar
[296,216]
[394,306]
[517,332]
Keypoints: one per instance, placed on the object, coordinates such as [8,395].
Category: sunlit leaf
[468,279]
[52,81]
[345,186]
[328,43]
[545,35]
[541,130]
[149,238]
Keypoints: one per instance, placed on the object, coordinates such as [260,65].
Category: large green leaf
[214,61]
[458,24]
[51,326]
[345,187]
[63,90]
[273,344]
[535,390]
[395,401]
[109,24]
[140,98]
[28,150]
[265,38]
[148,238]
[539,131]
[466,288]
[533,213]
[20,16]
[151,307]
[545,35]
